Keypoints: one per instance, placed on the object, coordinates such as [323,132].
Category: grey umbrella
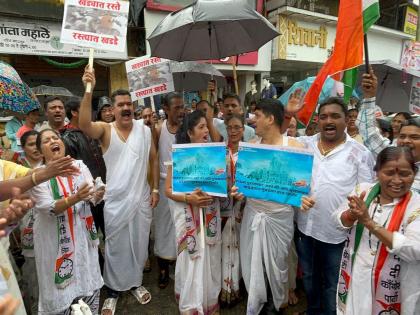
[211,29]
[194,76]
[394,85]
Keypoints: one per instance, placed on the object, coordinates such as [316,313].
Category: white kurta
[407,246]
[87,273]
[197,281]
[127,210]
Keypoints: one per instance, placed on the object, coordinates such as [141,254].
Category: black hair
[51,98]
[26,135]
[406,115]
[241,118]
[117,93]
[219,99]
[334,101]
[194,100]
[272,107]
[392,154]
[411,122]
[232,95]
[38,139]
[188,124]
[73,104]
[204,101]
[167,99]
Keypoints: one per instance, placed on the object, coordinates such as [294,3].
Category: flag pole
[365,40]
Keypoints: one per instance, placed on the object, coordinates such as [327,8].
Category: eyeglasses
[233,128]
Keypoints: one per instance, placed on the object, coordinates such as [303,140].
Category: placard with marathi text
[148,76]
[99,24]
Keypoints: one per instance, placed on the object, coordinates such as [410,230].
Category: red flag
[347,54]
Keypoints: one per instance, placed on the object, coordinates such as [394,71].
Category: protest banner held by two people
[97,24]
[279,174]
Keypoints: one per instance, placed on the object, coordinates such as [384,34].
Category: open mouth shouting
[330,130]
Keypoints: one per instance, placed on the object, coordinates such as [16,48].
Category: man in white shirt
[340,163]
[408,130]
[232,105]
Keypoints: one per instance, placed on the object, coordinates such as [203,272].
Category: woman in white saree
[197,273]
[380,265]
[65,238]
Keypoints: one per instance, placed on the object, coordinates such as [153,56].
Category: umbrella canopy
[211,29]
[15,95]
[331,88]
[51,90]
[194,76]
[394,85]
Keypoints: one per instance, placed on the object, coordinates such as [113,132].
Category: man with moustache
[340,162]
[128,148]
[408,132]
[165,240]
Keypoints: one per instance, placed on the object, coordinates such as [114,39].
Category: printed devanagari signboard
[199,165]
[99,24]
[274,173]
[148,76]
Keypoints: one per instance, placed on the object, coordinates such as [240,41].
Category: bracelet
[33,177]
[185,198]
[155,191]
[66,200]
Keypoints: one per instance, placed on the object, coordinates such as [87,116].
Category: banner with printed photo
[279,174]
[149,76]
[99,24]
[42,38]
[199,165]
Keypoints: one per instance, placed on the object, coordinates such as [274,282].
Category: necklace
[325,152]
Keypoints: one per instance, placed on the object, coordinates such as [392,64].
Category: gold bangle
[155,191]
[185,198]
[33,177]
[66,200]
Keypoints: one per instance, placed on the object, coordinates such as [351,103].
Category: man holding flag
[339,161]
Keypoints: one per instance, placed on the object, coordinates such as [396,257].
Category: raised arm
[366,120]
[293,106]
[95,130]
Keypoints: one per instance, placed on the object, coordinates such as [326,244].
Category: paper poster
[279,174]
[201,166]
[149,76]
[42,38]
[98,24]
[414,105]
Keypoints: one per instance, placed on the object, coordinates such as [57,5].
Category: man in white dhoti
[128,148]
[267,228]
[165,247]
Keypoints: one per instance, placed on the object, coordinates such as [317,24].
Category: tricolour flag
[370,16]
[348,48]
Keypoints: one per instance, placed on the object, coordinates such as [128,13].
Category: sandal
[142,295]
[110,304]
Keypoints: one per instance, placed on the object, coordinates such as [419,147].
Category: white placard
[96,24]
[42,38]
[149,76]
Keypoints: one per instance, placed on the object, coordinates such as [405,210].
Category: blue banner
[279,174]
[199,165]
